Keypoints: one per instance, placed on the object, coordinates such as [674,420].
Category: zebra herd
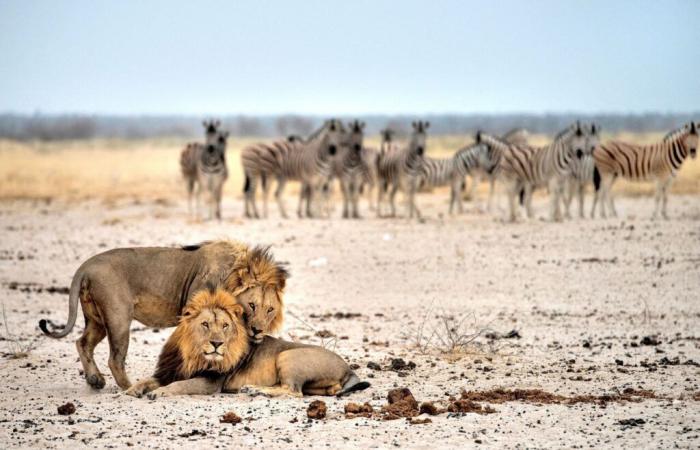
[336,151]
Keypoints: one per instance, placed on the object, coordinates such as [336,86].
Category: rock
[401,404]
[650,340]
[398,364]
[316,410]
[67,409]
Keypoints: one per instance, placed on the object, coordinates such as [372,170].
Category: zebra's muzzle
[332,149]
[579,153]
[419,151]
[693,152]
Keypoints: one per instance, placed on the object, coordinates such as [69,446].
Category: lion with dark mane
[209,352]
[154,284]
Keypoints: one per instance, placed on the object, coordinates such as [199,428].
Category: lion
[271,367]
[154,284]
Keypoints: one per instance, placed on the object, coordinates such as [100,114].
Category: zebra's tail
[246,185]
[263,181]
[596,178]
[522,196]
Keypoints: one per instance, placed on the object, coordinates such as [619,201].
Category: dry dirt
[582,308]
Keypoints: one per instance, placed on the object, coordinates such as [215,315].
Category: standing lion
[154,284]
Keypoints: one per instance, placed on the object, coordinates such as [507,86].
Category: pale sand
[607,282]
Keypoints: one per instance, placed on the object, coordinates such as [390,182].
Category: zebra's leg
[190,191]
[568,195]
[664,198]
[492,189]
[253,197]
[345,188]
[528,201]
[556,187]
[311,192]
[355,199]
[605,187]
[581,194]
[197,196]
[219,192]
[392,198]
[265,193]
[512,190]
[281,181]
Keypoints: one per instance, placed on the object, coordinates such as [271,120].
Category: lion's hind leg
[93,334]
[142,387]
[272,391]
[323,387]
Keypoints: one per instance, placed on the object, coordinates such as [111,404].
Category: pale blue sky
[349,57]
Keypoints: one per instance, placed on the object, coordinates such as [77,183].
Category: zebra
[401,167]
[478,165]
[212,173]
[582,167]
[524,168]
[349,168]
[190,155]
[659,162]
[306,160]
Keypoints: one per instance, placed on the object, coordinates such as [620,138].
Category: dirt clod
[67,409]
[650,340]
[316,410]
[402,403]
[468,406]
[398,364]
[431,409]
[416,421]
[357,409]
[230,417]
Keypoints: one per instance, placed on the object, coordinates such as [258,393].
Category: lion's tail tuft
[353,384]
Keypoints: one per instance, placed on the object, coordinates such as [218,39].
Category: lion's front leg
[193,386]
[143,387]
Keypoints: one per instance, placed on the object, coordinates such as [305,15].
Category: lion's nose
[216,344]
[256,331]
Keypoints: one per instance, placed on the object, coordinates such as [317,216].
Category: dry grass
[114,169]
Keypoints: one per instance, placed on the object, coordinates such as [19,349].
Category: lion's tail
[352,384]
[73,298]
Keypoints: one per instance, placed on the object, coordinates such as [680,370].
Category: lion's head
[258,282]
[210,337]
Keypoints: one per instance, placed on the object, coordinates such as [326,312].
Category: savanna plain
[580,334]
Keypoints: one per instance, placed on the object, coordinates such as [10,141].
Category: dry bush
[450,335]
[17,348]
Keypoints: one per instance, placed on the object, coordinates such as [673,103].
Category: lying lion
[210,352]
[153,285]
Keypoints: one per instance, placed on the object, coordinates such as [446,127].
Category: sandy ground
[583,295]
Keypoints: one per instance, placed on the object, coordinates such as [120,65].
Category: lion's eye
[270,310]
[225,326]
[205,325]
[252,306]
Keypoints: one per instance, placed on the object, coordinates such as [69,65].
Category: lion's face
[211,330]
[262,310]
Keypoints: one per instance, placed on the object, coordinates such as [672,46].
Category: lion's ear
[236,310]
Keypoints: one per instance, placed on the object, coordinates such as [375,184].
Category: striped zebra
[401,167]
[349,168]
[581,176]
[212,173]
[657,162]
[484,169]
[190,155]
[524,168]
[307,161]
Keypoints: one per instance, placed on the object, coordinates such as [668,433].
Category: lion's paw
[252,391]
[158,393]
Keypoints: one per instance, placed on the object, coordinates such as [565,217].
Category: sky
[349,57]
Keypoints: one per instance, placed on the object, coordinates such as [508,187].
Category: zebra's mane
[323,128]
[563,134]
[673,134]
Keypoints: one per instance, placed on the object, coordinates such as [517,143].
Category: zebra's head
[419,137]
[215,149]
[334,136]
[211,127]
[592,140]
[387,135]
[577,142]
[356,135]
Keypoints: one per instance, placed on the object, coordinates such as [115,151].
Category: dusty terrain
[600,307]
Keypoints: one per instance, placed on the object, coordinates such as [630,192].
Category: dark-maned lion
[153,285]
[272,367]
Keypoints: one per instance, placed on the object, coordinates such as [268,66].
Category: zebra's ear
[332,125]
[478,137]
[693,130]
[578,129]
[594,129]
